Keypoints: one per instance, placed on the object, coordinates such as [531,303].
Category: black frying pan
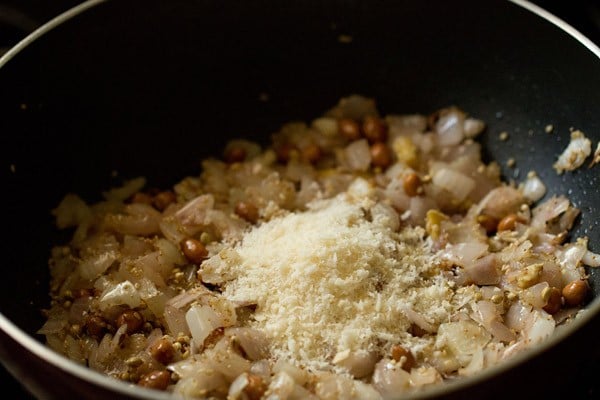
[150,87]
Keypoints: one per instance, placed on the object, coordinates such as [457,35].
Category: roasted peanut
[374,129]
[194,250]
[163,199]
[133,319]
[311,153]
[349,128]
[554,301]
[489,223]
[163,350]
[509,222]
[398,352]
[158,380]
[247,211]
[381,155]
[575,292]
[235,154]
[412,184]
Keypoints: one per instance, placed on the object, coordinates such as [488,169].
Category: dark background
[19,17]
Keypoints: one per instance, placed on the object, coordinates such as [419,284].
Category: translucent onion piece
[253,342]
[484,271]
[464,254]
[533,188]
[201,321]
[96,265]
[501,201]
[454,182]
[462,338]
[224,359]
[358,155]
[121,293]
[574,155]
[390,379]
[473,127]
[540,327]
[450,128]
[358,363]
[591,259]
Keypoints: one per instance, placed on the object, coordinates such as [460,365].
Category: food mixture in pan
[357,255]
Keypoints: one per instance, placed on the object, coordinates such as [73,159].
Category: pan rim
[562,24]
[67,365]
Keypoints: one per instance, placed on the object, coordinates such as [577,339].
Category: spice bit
[345,38]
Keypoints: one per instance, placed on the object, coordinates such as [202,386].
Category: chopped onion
[172,230]
[71,211]
[253,342]
[358,155]
[358,363]
[552,274]
[140,219]
[96,265]
[474,366]
[199,381]
[364,391]
[55,322]
[386,216]
[79,309]
[299,375]
[422,376]
[121,293]
[281,387]
[169,253]
[540,326]
[224,359]
[418,319]
[486,313]
[202,320]
[591,259]
[262,368]
[473,127]
[548,210]
[126,190]
[176,322]
[572,254]
[354,106]
[390,379]
[533,188]
[194,211]
[484,271]
[236,389]
[501,201]
[462,338]
[450,127]
[574,155]
[458,184]
[327,126]
[517,315]
[533,295]
[464,254]
[418,209]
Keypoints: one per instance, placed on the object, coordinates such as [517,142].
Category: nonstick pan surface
[134,87]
